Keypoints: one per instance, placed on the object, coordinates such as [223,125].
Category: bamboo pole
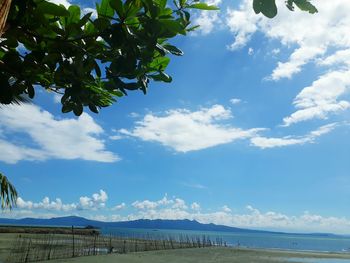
[4,11]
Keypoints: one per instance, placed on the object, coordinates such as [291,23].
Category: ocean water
[248,240]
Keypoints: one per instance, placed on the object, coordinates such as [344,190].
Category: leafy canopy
[91,60]
[8,193]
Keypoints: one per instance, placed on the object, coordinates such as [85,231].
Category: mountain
[141,223]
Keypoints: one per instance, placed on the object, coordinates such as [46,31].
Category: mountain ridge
[183,224]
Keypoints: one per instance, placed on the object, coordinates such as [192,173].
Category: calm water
[251,240]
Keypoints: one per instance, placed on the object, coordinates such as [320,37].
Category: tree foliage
[8,193]
[90,60]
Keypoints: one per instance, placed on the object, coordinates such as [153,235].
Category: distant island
[184,224]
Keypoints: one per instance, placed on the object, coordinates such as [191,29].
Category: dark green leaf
[93,108]
[267,7]
[78,109]
[31,92]
[173,50]
[52,9]
[118,6]
[305,5]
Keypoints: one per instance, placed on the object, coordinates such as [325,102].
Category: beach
[208,255]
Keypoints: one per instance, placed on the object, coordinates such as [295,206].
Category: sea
[300,242]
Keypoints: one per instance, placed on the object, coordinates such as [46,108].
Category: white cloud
[134,115]
[50,137]
[322,98]
[226,209]
[119,207]
[115,137]
[179,204]
[264,142]
[250,51]
[186,131]
[321,39]
[242,23]
[207,20]
[61,2]
[146,204]
[235,101]
[298,58]
[195,206]
[252,218]
[96,201]
[175,208]
[196,186]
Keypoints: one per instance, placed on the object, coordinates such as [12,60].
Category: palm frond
[8,193]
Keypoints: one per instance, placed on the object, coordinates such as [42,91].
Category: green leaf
[74,14]
[161,77]
[93,108]
[305,5]
[67,108]
[105,9]
[203,6]
[266,7]
[173,50]
[78,109]
[118,6]
[52,9]
[172,25]
[159,63]
[97,69]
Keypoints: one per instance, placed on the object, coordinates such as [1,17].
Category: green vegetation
[94,61]
[8,193]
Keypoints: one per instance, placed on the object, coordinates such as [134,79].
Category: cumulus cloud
[185,130]
[96,201]
[321,98]
[146,204]
[49,137]
[265,142]
[179,204]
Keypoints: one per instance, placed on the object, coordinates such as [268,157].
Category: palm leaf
[8,193]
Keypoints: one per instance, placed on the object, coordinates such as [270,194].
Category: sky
[253,132]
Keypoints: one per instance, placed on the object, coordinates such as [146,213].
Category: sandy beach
[206,255]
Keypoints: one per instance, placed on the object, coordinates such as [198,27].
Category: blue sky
[252,132]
